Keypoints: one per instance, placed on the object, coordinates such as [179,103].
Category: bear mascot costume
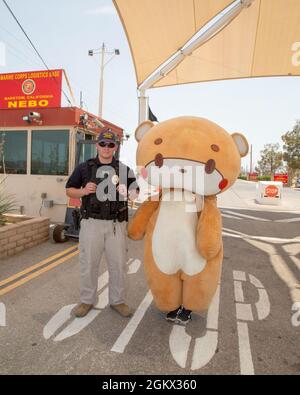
[190,160]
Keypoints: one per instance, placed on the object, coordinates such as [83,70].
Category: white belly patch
[174,236]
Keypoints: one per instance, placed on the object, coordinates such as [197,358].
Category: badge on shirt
[115,179]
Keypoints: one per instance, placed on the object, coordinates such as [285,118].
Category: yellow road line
[37,265]
[36,274]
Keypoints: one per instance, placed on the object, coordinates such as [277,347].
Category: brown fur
[171,291]
[186,138]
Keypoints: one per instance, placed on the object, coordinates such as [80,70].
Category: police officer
[104,184]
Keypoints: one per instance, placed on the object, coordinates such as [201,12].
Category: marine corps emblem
[28,87]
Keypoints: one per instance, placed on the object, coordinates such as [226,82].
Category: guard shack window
[50,152]
[13,152]
[86,147]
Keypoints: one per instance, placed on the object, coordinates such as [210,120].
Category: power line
[23,54]
[17,39]
[31,43]
[19,55]
[21,27]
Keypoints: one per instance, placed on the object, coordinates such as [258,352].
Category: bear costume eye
[158,141]
[215,147]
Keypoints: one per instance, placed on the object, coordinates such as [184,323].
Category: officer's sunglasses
[109,145]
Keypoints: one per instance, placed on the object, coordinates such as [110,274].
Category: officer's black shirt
[80,176]
[107,208]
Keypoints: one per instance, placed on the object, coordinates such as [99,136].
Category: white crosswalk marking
[280,267]
[263,304]
[238,291]
[134,266]
[255,281]
[235,214]
[288,220]
[78,324]
[276,240]
[57,321]
[238,216]
[132,325]
[231,216]
[205,346]
[179,349]
[246,362]
[238,275]
[205,349]
[293,250]
[244,313]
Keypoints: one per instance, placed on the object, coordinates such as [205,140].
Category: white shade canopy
[156,29]
[263,40]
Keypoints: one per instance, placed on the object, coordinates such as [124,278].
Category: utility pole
[103,51]
[272,175]
[250,158]
[101,82]
[81,101]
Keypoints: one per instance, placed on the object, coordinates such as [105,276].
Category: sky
[64,30]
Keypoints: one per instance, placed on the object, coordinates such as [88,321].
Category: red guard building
[38,152]
[40,146]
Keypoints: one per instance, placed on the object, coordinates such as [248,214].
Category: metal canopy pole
[143,106]
[187,50]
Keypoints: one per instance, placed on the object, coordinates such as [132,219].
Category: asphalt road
[253,326]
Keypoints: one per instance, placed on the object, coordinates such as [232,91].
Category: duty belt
[106,216]
[99,216]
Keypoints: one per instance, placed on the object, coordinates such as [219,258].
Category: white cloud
[103,10]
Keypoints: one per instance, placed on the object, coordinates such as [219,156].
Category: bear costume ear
[241,143]
[143,129]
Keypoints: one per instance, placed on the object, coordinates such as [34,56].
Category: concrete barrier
[269,192]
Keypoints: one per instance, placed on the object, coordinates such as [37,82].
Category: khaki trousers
[97,237]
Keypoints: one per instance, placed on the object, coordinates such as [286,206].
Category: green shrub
[242,177]
[7,203]
[264,178]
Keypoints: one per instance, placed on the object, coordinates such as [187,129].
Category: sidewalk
[242,195]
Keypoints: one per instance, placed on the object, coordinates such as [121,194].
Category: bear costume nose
[159,160]
[144,173]
[210,166]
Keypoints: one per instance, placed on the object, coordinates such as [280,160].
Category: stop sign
[271,191]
